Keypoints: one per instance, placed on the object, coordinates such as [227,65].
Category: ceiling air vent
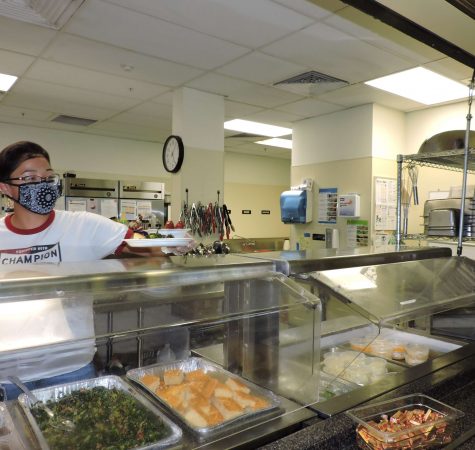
[311,82]
[71,120]
[46,13]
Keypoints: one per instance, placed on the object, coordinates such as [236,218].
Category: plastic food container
[355,367]
[378,423]
[416,354]
[361,344]
[398,349]
[382,348]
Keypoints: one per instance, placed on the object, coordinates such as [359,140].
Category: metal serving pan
[55,393]
[194,363]
[9,438]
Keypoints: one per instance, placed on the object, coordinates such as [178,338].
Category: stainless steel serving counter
[298,263]
[233,296]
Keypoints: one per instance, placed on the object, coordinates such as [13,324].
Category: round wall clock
[173,153]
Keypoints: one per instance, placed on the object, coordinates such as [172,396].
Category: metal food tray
[9,438]
[194,363]
[55,393]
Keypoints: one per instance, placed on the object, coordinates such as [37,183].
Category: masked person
[36,233]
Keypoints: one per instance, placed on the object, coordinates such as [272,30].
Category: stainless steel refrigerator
[145,199]
[96,196]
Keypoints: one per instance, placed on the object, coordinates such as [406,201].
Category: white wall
[421,125]
[332,137]
[389,131]
[104,157]
[90,154]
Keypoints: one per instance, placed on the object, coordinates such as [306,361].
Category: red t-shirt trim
[128,235]
[13,229]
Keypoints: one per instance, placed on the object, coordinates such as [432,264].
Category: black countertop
[453,385]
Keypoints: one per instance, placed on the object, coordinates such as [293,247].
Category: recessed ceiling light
[6,81]
[262,129]
[421,85]
[276,142]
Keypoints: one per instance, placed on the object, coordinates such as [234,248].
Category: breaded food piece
[151,381]
[196,386]
[213,416]
[250,401]
[174,395]
[221,390]
[237,385]
[195,419]
[228,407]
[173,376]
[209,388]
[195,375]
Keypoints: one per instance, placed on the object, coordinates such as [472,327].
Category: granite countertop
[453,386]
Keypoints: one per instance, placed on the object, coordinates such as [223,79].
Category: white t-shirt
[53,321]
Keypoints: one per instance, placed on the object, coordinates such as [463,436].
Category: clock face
[173,153]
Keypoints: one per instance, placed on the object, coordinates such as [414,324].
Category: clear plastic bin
[377,426]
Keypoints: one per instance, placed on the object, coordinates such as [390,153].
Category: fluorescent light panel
[263,129]
[421,85]
[6,81]
[277,142]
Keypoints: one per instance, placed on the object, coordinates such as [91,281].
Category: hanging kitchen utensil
[413,175]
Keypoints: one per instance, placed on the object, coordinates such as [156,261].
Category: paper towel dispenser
[296,206]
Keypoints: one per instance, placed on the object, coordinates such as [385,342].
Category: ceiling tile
[122,27]
[133,131]
[264,96]
[378,34]
[273,117]
[360,94]
[451,69]
[65,100]
[243,91]
[118,130]
[23,37]
[24,113]
[131,117]
[13,63]
[219,84]
[265,69]
[106,58]
[310,107]
[332,52]
[66,75]
[166,99]
[236,110]
[317,9]
[249,23]
[442,23]
[153,109]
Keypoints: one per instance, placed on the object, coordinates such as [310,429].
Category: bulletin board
[385,203]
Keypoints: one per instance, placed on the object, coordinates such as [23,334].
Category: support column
[198,118]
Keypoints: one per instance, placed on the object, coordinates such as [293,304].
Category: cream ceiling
[118,61]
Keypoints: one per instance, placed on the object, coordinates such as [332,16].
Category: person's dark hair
[14,154]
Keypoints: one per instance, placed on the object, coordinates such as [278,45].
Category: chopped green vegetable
[105,419]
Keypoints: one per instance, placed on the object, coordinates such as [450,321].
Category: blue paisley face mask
[39,198]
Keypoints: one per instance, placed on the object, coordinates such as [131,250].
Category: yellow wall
[256,197]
